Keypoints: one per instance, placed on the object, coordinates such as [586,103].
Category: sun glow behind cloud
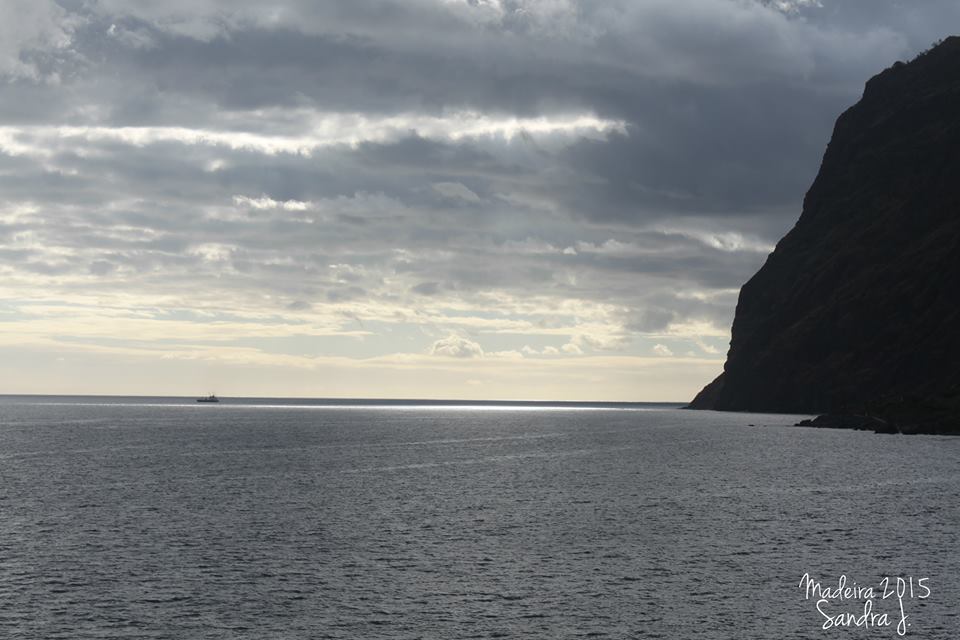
[322,130]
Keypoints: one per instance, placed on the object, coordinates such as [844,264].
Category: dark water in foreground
[126,520]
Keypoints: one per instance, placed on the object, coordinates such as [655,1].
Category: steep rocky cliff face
[857,310]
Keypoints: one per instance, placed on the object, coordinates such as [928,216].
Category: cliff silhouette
[856,313]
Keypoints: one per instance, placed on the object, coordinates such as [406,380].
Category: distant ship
[209,398]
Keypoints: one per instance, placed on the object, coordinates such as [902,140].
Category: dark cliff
[857,310]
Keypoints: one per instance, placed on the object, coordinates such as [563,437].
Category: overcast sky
[530,199]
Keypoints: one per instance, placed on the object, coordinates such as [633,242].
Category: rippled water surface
[134,520]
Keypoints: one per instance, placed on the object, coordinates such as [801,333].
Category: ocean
[268,519]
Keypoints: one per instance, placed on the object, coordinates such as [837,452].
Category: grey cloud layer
[710,118]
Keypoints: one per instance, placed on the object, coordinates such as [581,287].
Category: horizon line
[353,400]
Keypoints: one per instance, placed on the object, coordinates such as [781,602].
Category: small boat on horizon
[210,398]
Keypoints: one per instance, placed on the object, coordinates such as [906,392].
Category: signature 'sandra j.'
[830,601]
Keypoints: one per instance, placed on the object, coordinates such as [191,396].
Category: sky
[476,199]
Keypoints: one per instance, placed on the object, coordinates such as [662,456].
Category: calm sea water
[168,519]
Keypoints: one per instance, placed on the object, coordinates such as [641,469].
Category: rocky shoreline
[939,415]
[879,425]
